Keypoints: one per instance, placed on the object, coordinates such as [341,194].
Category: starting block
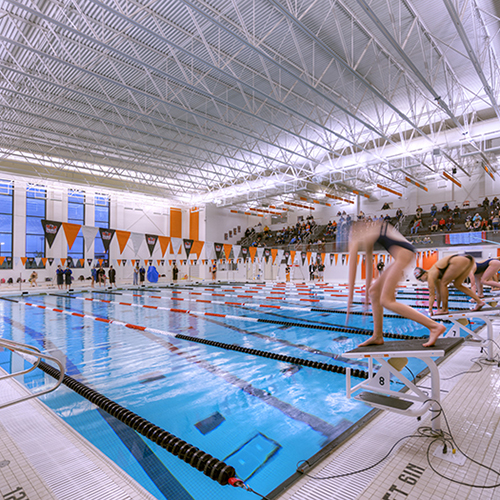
[460,322]
[378,392]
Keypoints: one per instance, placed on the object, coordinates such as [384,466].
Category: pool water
[260,415]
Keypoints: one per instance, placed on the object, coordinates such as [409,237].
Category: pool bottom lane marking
[329,431]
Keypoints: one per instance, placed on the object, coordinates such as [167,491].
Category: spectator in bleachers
[450,223]
[494,222]
[416,226]
[419,212]
[434,210]
[494,202]
[399,214]
[485,225]
[456,212]
[486,203]
[387,218]
[468,222]
[476,222]
[442,223]
[434,225]
[361,215]
[445,208]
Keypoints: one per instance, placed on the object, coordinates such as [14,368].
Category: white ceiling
[248,102]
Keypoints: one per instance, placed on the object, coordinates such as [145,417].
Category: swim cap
[418,272]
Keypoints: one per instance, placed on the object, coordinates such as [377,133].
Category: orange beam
[389,190]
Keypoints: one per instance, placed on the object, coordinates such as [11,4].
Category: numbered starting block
[392,357]
[460,322]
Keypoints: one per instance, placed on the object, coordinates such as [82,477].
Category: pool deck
[46,459]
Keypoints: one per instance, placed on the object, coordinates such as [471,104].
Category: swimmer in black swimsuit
[484,274]
[382,292]
[454,268]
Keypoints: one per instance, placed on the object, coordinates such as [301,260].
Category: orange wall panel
[176,223]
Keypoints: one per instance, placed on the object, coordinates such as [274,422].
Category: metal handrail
[33,356]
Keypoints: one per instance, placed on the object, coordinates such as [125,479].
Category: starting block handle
[348,382]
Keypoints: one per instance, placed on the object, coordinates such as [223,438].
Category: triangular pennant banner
[24,260]
[176,245]
[309,257]
[279,255]
[236,251]
[252,251]
[89,234]
[106,237]
[274,253]
[244,253]
[63,261]
[164,242]
[188,246]
[292,255]
[119,261]
[218,250]
[198,248]
[227,250]
[137,239]
[267,254]
[71,232]
[260,253]
[151,240]
[122,237]
[50,229]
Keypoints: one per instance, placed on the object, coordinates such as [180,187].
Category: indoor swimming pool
[260,415]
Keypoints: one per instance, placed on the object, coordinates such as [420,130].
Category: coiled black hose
[279,357]
[210,466]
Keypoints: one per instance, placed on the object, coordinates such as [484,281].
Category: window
[35,212]
[101,203]
[6,221]
[76,215]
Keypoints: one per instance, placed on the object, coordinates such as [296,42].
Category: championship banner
[244,253]
[151,240]
[71,232]
[106,237]
[50,228]
[89,262]
[188,245]
[218,250]
[332,256]
[50,260]
[343,258]
[267,254]
[303,256]
[287,256]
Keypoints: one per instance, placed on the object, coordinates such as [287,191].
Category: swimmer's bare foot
[442,311]
[479,306]
[434,334]
[373,340]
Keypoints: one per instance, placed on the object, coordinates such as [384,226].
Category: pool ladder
[34,356]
